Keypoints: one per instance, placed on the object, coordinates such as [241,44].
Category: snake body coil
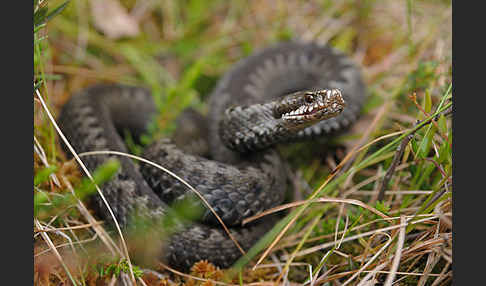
[287,92]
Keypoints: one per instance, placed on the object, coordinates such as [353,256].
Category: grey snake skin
[239,173]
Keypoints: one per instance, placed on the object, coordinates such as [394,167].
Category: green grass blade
[56,10]
[44,174]
[272,234]
[101,175]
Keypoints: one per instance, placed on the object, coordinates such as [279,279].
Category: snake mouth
[315,106]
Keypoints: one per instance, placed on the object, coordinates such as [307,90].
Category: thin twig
[394,164]
[401,149]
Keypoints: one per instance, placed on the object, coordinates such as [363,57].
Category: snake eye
[309,98]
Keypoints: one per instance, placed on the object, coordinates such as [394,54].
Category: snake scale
[286,92]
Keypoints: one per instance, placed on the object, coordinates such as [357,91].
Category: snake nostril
[309,98]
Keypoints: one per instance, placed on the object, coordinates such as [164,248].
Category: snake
[287,92]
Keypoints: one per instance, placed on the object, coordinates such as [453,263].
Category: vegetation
[378,204]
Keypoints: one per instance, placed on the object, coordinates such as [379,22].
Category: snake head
[305,108]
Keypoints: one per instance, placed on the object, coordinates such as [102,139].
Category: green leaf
[38,84]
[414,145]
[427,103]
[41,16]
[426,143]
[56,10]
[38,40]
[191,75]
[442,123]
[444,152]
[284,34]
[425,174]
[39,198]
[154,74]
[117,268]
[38,27]
[102,174]
[382,207]
[43,174]
[344,40]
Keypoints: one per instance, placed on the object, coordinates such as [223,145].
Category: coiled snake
[286,92]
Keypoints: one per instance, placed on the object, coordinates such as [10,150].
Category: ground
[384,188]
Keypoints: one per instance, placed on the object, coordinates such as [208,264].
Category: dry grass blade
[175,176]
[379,139]
[353,190]
[364,234]
[67,244]
[42,155]
[443,217]
[285,270]
[432,259]
[396,259]
[334,250]
[344,164]
[104,236]
[396,192]
[317,200]
[290,239]
[390,240]
[141,281]
[87,225]
[279,265]
[344,232]
[56,253]
[442,275]
[71,149]
[291,222]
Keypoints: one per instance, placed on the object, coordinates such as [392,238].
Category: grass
[181,50]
